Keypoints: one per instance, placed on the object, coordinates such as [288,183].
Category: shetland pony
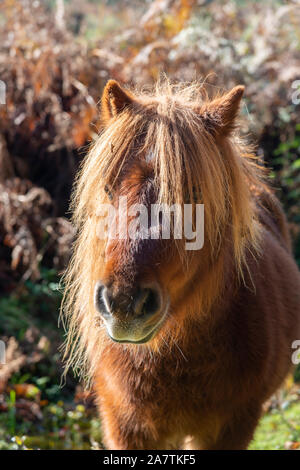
[182,347]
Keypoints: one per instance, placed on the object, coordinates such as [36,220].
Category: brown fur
[225,345]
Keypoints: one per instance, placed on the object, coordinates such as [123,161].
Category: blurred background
[55,57]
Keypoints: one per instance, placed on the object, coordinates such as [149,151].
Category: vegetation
[54,59]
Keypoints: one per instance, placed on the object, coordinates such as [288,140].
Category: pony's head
[161,150]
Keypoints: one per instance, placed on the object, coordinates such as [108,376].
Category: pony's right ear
[114,100]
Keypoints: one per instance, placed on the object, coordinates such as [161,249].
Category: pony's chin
[130,338]
[144,340]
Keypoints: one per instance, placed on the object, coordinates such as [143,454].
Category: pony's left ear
[220,114]
[114,100]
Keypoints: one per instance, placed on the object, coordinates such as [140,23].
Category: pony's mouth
[130,337]
[140,341]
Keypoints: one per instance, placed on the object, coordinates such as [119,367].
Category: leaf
[26,390]
[296,164]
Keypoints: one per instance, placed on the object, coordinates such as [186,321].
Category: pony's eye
[108,192]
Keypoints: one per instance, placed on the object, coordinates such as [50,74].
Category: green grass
[63,426]
[276,428]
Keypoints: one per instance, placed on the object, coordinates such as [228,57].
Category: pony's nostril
[111,305]
[147,302]
[151,304]
[100,299]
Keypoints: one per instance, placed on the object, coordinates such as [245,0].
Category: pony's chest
[157,385]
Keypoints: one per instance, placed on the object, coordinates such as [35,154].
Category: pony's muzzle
[129,316]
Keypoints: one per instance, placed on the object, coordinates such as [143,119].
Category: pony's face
[132,294]
[141,282]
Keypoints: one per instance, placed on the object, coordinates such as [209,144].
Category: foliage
[276,431]
[33,304]
[61,426]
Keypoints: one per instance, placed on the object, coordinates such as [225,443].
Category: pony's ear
[220,114]
[114,100]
